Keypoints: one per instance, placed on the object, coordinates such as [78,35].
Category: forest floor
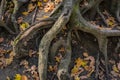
[85,53]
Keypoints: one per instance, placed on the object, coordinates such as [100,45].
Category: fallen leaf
[7,78]
[25,13]
[115,68]
[24,77]
[50,68]
[76,78]
[80,62]
[49,7]
[39,4]
[74,70]
[1,39]
[24,25]
[17,77]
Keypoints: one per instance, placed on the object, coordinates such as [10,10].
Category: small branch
[97,66]
[34,15]
[64,64]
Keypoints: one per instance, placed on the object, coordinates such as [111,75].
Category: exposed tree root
[75,14]
[102,16]
[48,37]
[117,47]
[97,66]
[56,9]
[118,11]
[2,23]
[64,64]
[100,34]
[55,47]
[26,35]
[17,5]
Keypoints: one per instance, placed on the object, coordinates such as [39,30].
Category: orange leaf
[24,77]
[1,40]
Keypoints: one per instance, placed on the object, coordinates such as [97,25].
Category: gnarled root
[101,34]
[64,64]
[55,47]
[26,35]
[48,37]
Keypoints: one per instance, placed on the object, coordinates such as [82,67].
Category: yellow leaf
[83,63]
[17,77]
[45,0]
[80,62]
[115,68]
[75,70]
[25,13]
[57,59]
[39,4]
[76,78]
[24,25]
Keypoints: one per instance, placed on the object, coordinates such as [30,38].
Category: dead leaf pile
[87,64]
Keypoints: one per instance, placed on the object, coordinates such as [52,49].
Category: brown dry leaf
[50,68]
[24,63]
[9,60]
[111,21]
[49,7]
[62,49]
[7,78]
[57,1]
[1,39]
[31,7]
[31,53]
[24,77]
[88,75]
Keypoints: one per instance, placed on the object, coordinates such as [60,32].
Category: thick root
[26,35]
[83,25]
[48,37]
[55,47]
[64,64]
[103,41]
